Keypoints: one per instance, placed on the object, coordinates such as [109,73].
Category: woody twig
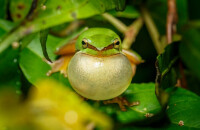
[130,32]
[172,19]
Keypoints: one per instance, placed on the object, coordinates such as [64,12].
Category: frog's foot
[60,65]
[122,102]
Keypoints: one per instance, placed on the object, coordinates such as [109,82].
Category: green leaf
[193,80]
[120,5]
[164,127]
[182,11]
[184,106]
[130,12]
[166,73]
[26,40]
[3,9]
[140,92]
[43,40]
[32,61]
[9,70]
[5,27]
[53,13]
[19,9]
[190,50]
[145,94]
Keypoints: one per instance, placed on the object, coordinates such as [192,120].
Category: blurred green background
[166,84]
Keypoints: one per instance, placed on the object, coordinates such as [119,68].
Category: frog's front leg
[60,65]
[122,102]
[133,58]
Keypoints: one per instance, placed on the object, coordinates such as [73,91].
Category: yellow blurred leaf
[52,106]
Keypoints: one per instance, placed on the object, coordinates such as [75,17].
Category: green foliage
[9,62]
[3,7]
[51,13]
[43,40]
[129,12]
[23,29]
[166,66]
[34,52]
[19,9]
[148,109]
[184,106]
[150,105]
[190,50]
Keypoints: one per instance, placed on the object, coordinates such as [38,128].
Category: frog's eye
[116,43]
[84,43]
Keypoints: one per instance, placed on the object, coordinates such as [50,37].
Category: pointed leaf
[43,40]
[166,63]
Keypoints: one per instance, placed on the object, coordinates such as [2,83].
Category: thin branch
[115,22]
[172,19]
[152,30]
[14,37]
[131,33]
[69,29]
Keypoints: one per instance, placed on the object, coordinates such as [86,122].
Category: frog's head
[99,42]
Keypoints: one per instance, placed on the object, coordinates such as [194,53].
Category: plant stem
[115,22]
[152,30]
[172,19]
[14,36]
[131,33]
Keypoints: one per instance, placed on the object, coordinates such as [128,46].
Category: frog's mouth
[100,49]
[110,50]
[100,54]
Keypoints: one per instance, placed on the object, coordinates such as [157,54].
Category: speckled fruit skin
[99,78]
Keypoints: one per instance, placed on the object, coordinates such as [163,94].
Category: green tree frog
[100,68]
